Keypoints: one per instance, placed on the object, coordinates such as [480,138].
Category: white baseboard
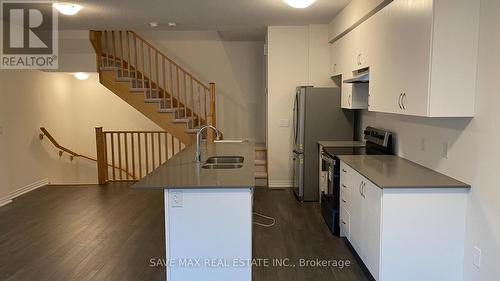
[20,191]
[280,184]
[5,201]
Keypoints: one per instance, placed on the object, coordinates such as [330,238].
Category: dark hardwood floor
[112,232]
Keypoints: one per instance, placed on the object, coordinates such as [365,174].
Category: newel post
[102,169]
[96,40]
[212,118]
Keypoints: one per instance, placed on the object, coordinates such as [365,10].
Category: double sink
[224,162]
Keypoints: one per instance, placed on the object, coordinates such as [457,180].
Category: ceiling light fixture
[81,76]
[68,9]
[299,4]
[153,24]
[172,24]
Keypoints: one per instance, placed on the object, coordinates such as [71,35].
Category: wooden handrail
[140,151]
[167,58]
[46,133]
[60,147]
[155,71]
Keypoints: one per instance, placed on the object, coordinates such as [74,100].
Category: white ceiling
[240,19]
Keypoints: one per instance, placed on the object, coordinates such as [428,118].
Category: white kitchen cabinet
[409,234]
[355,96]
[424,60]
[335,58]
[372,204]
[354,50]
[362,212]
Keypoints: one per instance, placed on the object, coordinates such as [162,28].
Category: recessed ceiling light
[68,9]
[299,4]
[81,75]
[153,24]
[172,24]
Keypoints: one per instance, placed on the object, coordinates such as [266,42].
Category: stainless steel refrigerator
[317,115]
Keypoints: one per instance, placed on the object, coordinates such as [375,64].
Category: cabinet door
[335,57]
[345,224]
[362,38]
[400,58]
[356,218]
[349,52]
[347,96]
[372,207]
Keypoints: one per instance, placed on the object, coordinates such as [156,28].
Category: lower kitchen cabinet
[409,234]
[362,210]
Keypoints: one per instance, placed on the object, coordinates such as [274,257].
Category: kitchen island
[208,212]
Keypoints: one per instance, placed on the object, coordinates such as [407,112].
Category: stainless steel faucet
[198,141]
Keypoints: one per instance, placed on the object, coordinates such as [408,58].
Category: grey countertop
[327,143]
[181,171]
[390,171]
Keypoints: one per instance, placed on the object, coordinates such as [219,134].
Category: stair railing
[72,154]
[158,74]
[137,153]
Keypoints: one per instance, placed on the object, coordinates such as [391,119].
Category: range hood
[360,76]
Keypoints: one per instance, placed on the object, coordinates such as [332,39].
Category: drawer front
[345,223]
[345,196]
[346,174]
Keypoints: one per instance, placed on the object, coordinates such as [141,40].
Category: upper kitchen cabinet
[424,57]
[335,57]
[355,51]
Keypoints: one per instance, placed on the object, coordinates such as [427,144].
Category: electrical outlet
[445,150]
[284,123]
[422,144]
[476,260]
[176,199]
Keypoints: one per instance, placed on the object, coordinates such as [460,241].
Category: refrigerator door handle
[295,118]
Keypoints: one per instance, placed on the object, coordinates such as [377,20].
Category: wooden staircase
[154,84]
[261,177]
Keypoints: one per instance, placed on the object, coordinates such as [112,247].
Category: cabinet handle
[335,68]
[343,200]
[362,189]
[349,100]
[403,101]
[343,186]
[399,101]
[344,170]
[343,222]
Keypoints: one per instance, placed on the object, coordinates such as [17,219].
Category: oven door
[327,173]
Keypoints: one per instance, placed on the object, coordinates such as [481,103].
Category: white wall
[4,173]
[474,153]
[70,109]
[235,66]
[297,56]
[76,53]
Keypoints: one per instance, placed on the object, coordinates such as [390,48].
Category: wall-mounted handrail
[62,149]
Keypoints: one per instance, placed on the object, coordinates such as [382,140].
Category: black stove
[378,142]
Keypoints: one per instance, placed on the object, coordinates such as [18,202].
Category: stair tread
[260,175]
[189,118]
[260,162]
[170,110]
[152,100]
